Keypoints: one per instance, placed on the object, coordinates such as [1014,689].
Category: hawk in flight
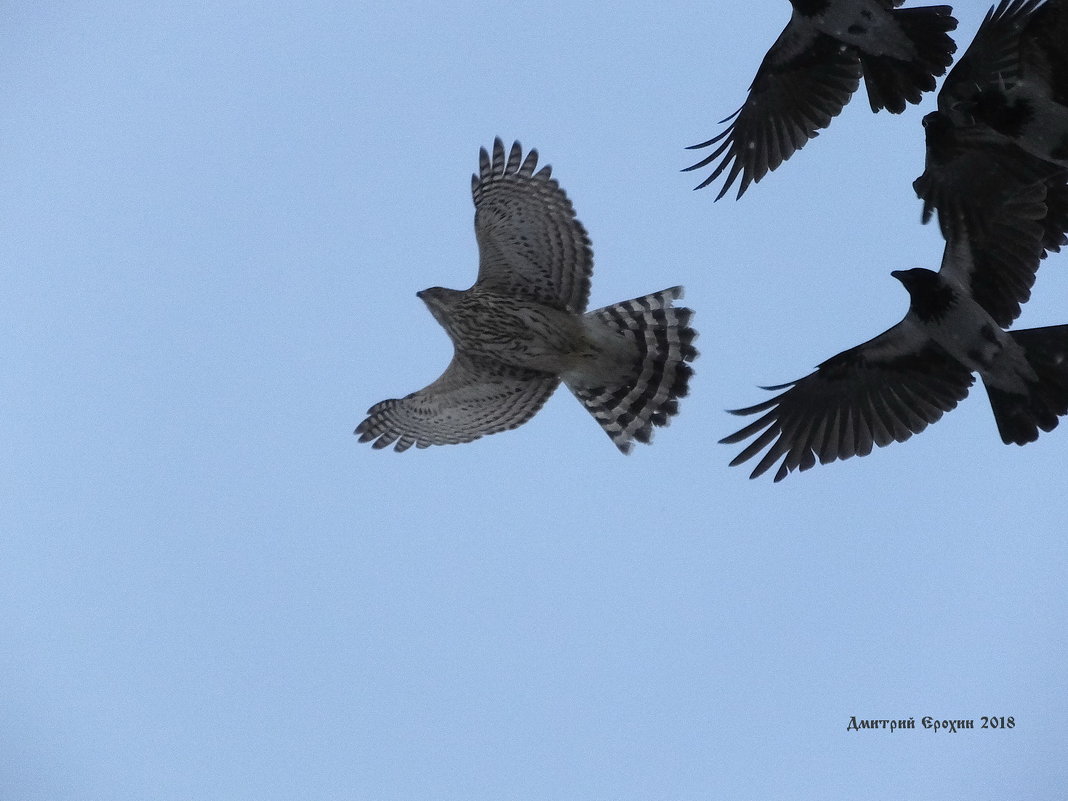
[523,328]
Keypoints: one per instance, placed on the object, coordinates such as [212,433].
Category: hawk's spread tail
[647,393]
[1020,416]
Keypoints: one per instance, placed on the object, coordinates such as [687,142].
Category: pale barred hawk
[522,328]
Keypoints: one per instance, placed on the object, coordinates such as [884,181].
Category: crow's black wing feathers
[799,87]
[882,391]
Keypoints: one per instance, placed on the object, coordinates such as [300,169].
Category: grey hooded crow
[896,384]
[813,69]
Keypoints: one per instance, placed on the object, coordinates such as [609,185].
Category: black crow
[1013,79]
[894,385]
[978,176]
[1013,206]
[813,69]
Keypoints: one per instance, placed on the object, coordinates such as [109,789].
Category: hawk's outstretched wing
[530,243]
[887,389]
[473,397]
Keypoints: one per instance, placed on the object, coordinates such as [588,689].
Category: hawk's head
[439,300]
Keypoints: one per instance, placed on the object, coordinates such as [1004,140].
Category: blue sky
[214,221]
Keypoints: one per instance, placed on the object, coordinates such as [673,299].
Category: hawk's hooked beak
[429,297]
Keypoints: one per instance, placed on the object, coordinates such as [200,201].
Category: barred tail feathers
[660,336]
[1020,416]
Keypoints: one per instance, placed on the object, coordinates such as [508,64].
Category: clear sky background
[214,218]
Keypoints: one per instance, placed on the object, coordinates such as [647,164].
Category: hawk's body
[526,334]
[521,329]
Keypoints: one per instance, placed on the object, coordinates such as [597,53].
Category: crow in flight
[813,69]
[894,385]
